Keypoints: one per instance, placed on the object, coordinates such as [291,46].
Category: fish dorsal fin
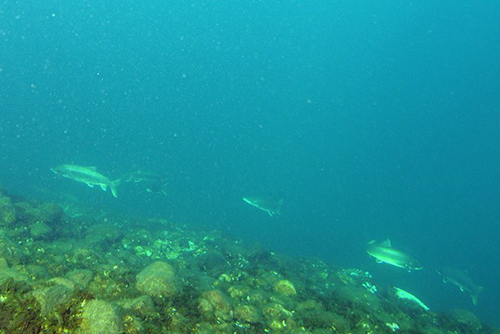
[386,243]
[94,168]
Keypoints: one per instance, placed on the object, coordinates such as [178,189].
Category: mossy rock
[40,230]
[158,280]
[48,213]
[51,298]
[284,287]
[247,313]
[322,319]
[7,211]
[99,317]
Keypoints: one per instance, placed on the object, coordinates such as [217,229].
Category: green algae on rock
[284,287]
[99,317]
[7,211]
[158,280]
[94,274]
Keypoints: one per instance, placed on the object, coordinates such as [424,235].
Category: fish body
[383,252]
[153,182]
[402,294]
[87,175]
[140,176]
[272,207]
[462,281]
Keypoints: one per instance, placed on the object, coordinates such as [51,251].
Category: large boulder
[158,280]
[99,317]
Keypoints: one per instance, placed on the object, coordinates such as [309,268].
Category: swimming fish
[460,279]
[153,182]
[384,253]
[87,175]
[272,207]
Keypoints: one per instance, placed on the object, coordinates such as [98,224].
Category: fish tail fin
[113,186]
[476,294]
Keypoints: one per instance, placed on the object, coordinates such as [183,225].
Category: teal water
[370,120]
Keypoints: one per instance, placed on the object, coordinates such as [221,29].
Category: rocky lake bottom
[105,274]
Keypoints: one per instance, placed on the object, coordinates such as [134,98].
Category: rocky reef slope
[104,274]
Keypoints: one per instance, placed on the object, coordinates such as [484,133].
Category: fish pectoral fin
[104,187]
[90,185]
[379,261]
[461,289]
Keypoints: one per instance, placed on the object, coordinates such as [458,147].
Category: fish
[153,182]
[383,252]
[272,207]
[87,175]
[462,280]
[402,294]
[140,176]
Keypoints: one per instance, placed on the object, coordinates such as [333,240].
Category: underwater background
[370,119]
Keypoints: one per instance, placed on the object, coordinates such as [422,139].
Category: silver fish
[272,207]
[152,182]
[464,282]
[383,252]
[87,175]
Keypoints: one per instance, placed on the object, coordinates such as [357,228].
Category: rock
[7,273]
[50,298]
[3,263]
[285,288]
[40,230]
[103,236]
[158,280]
[37,272]
[7,211]
[142,306]
[62,281]
[50,214]
[99,317]
[247,313]
[323,319]
[47,213]
[467,320]
[10,250]
[214,307]
[81,277]
[10,273]
[275,312]
[211,262]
